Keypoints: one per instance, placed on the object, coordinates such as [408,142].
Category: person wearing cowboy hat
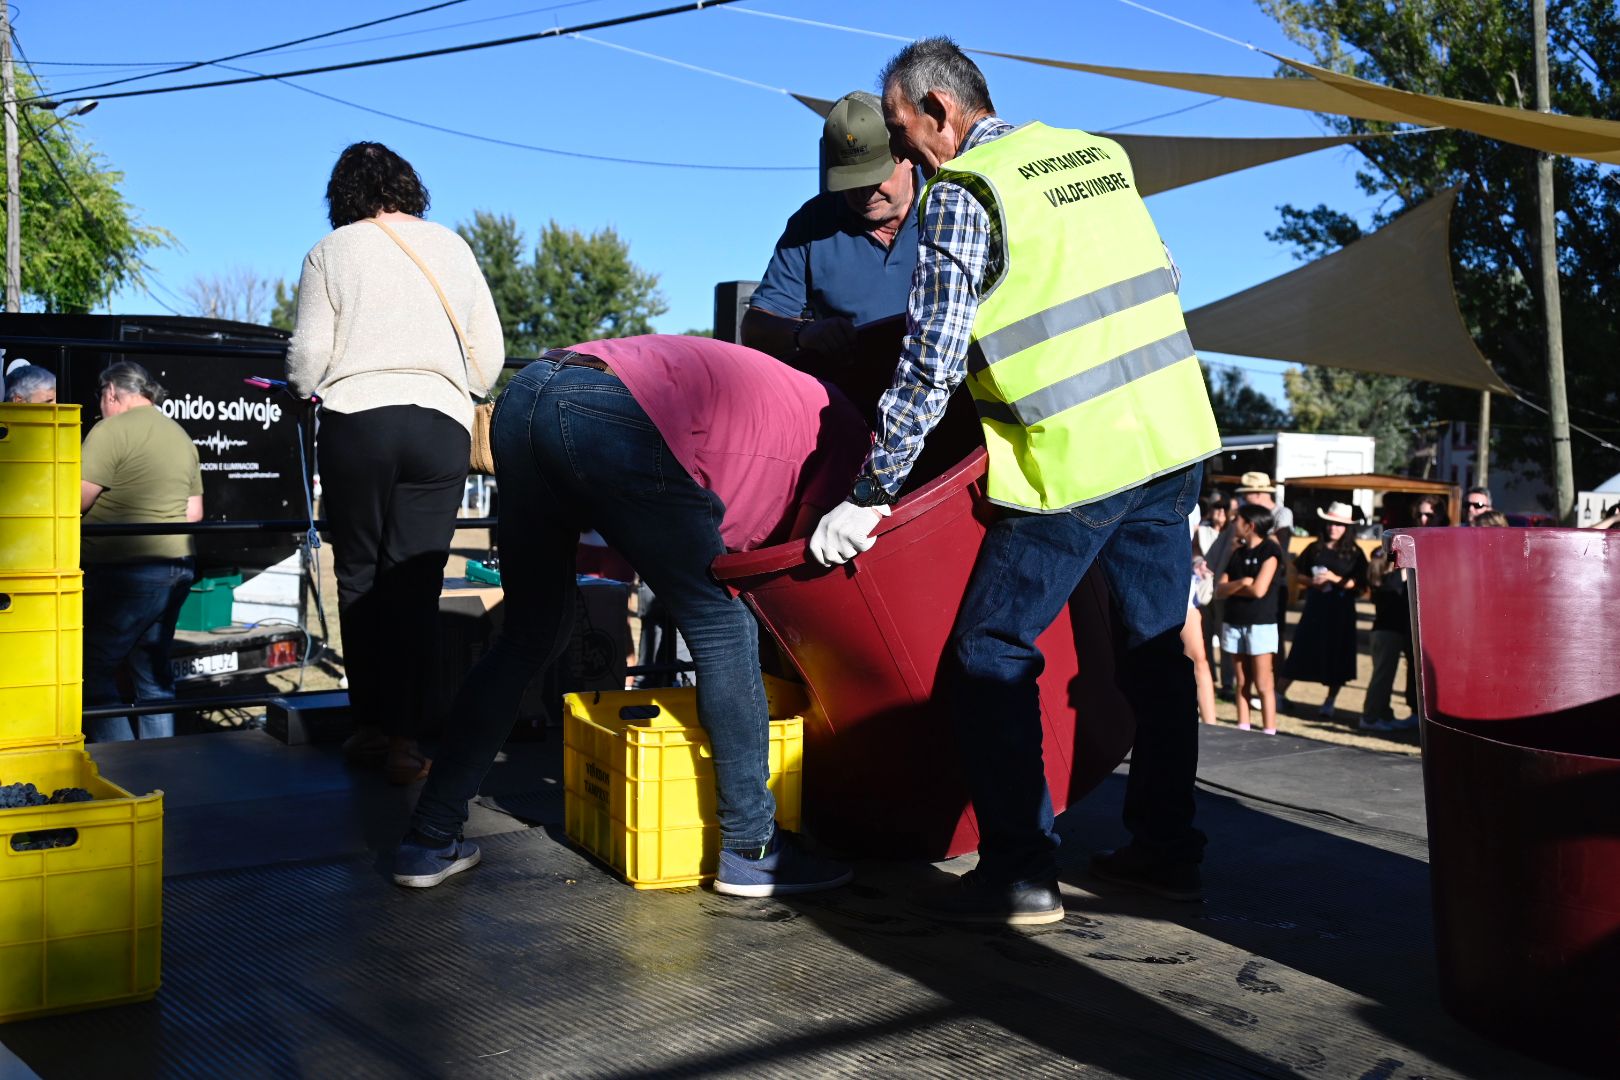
[1324,646]
[1257,489]
[846,257]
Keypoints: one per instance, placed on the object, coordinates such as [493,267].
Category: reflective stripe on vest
[1069,315]
[1079,363]
[1083,386]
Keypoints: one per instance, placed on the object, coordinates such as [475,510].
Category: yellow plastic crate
[39,488]
[80,925]
[639,793]
[41,651]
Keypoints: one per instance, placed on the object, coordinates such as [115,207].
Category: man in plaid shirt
[938,108]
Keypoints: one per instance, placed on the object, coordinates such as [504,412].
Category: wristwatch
[868,492]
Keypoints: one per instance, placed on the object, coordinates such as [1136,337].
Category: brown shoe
[366,742]
[406,763]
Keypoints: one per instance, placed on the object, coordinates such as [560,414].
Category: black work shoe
[1127,866]
[972,899]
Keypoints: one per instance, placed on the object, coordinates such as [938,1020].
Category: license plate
[202,666]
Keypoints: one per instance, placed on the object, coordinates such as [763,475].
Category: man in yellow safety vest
[1042,284]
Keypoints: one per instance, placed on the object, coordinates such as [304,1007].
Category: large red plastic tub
[868,638]
[1519,645]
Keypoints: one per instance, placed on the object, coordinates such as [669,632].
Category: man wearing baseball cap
[845,258]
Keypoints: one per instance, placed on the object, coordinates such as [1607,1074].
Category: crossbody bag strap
[455,324]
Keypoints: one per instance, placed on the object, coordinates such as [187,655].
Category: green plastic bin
[208,604]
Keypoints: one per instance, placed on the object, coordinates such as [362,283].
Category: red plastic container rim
[796,553]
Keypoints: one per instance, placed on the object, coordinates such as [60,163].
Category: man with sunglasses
[1476,502]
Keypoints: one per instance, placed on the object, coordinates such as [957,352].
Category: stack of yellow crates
[81,884]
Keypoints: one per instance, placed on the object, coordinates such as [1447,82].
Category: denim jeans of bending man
[1026,570]
[129,614]
[573,450]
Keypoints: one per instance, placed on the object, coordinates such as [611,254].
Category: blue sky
[237,173]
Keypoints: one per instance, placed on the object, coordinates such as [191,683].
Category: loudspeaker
[730,301]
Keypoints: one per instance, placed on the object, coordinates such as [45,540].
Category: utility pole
[1547,235]
[1482,456]
[8,83]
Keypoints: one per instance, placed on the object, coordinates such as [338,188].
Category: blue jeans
[573,451]
[1026,570]
[129,614]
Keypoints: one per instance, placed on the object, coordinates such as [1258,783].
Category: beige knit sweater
[371,332]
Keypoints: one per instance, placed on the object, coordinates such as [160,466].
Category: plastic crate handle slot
[44,840]
[5,432]
[5,601]
[640,712]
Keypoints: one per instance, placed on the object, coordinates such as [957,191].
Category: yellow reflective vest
[1085,379]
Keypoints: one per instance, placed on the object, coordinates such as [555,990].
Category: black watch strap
[868,492]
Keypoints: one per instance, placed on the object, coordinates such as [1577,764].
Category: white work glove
[846,532]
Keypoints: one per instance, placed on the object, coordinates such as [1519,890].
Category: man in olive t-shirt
[138,466]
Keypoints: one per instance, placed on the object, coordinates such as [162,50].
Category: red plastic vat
[1519,697]
[869,639]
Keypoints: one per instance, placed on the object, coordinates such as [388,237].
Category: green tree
[1338,402]
[498,246]
[81,240]
[1240,409]
[1480,50]
[284,308]
[574,288]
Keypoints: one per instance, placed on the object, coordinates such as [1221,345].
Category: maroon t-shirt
[763,437]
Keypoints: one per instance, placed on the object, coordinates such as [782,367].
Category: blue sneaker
[421,867]
[784,869]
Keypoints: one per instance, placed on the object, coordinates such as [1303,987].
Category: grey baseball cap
[857,142]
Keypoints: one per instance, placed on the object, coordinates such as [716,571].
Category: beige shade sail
[1384,305]
[1571,136]
[1290,93]
[1326,91]
[1163,162]
[820,106]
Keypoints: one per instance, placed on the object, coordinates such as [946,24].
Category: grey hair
[128,377]
[937,63]
[27,380]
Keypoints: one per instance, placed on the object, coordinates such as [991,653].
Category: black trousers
[392,479]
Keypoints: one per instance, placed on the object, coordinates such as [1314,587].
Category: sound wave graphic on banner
[219,442]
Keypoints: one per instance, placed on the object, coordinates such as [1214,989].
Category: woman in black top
[1324,648]
[1249,633]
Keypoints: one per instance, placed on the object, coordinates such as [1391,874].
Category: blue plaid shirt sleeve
[958,255]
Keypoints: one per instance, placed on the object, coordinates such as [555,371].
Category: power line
[111,65]
[437,29]
[1191,25]
[1600,440]
[195,64]
[682,64]
[529,146]
[696,5]
[287,49]
[1163,115]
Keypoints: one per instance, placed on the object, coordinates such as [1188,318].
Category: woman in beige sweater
[375,343]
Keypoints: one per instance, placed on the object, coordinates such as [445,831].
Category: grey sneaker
[784,869]
[418,866]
